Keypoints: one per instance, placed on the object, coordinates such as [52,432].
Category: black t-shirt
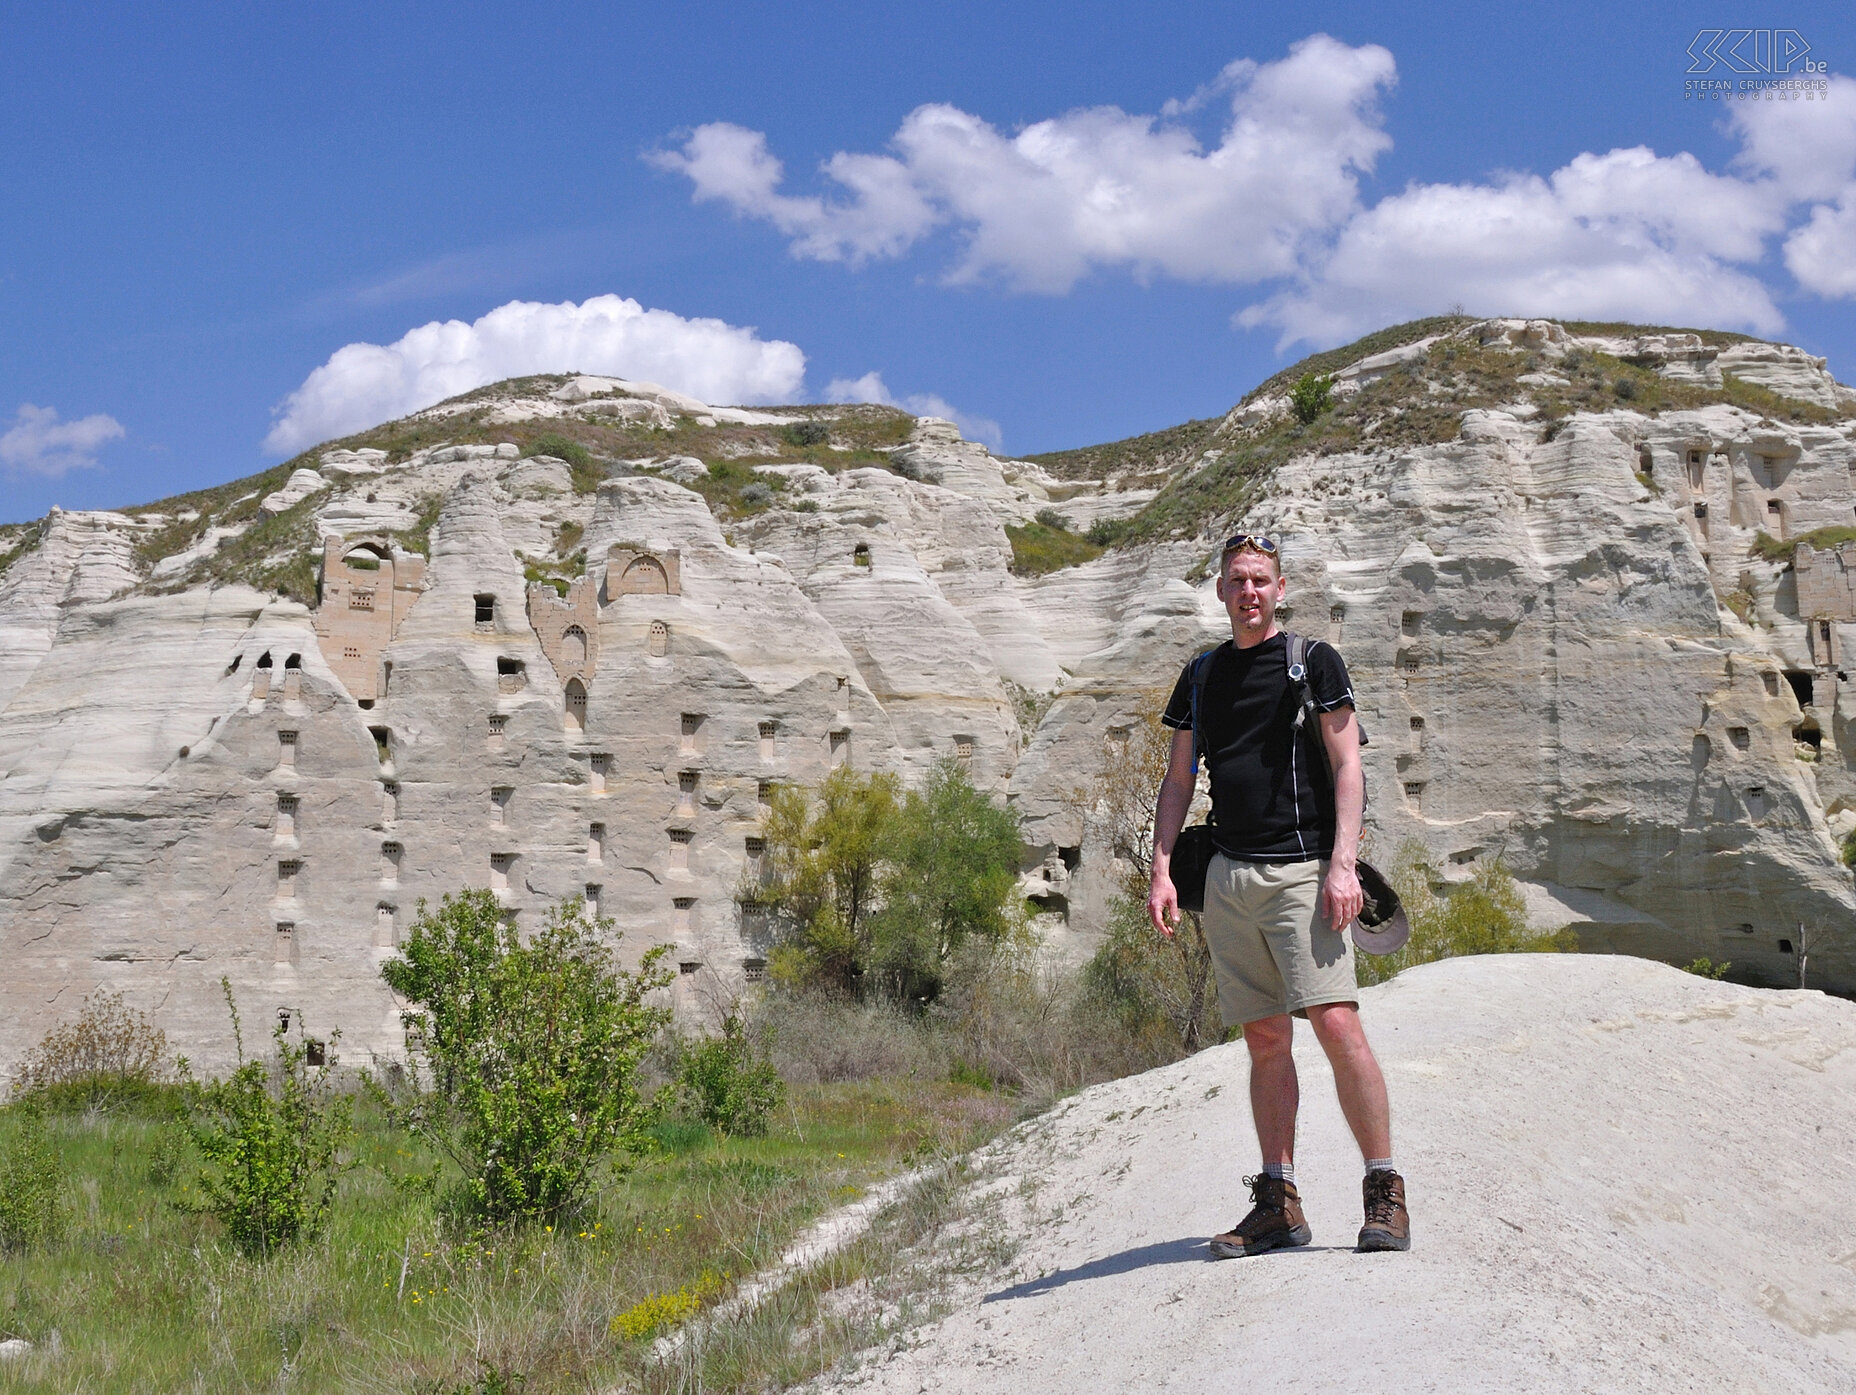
[1271,800]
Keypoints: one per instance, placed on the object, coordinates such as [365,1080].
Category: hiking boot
[1275,1222]
[1387,1227]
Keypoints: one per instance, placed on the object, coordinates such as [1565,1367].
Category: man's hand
[1163,903]
[1341,897]
[1169,817]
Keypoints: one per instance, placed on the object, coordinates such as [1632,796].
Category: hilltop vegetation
[1422,402]
[1208,471]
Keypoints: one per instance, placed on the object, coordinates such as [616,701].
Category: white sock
[1379,1165]
[1284,1172]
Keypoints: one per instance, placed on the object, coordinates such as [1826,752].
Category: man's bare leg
[1357,1078]
[1274,1093]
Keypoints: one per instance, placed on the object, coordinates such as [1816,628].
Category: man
[1285,829]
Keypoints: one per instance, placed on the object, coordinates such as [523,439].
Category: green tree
[824,856]
[949,877]
[529,1078]
[272,1135]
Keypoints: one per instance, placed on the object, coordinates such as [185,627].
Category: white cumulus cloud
[1273,200]
[1098,187]
[1625,235]
[1822,254]
[871,388]
[362,385]
[38,443]
[1808,150]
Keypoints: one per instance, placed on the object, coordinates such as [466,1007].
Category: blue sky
[1066,223]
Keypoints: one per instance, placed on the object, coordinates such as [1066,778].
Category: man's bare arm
[1169,817]
[1340,735]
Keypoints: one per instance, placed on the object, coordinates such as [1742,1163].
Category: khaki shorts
[1273,950]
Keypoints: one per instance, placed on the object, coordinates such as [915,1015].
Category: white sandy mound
[1622,1177]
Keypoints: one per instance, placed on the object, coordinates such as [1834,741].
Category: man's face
[1251,589]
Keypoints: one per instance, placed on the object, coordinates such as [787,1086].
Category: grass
[1617,329]
[1155,451]
[418,538]
[16,541]
[1770,549]
[277,554]
[1330,361]
[1417,404]
[732,489]
[146,1296]
[559,575]
[1038,548]
[1422,402]
[1819,539]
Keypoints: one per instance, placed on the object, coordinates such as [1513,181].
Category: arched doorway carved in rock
[644,577]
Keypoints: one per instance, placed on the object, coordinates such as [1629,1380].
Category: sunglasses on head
[1238,542]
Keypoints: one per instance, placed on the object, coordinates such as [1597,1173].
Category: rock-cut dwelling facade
[1826,583]
[638,571]
[567,627]
[368,586]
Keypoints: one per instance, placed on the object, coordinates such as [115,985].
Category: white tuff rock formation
[1573,649]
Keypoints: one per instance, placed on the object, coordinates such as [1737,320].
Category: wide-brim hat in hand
[1381,927]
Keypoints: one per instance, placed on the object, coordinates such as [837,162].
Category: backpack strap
[1295,652]
[1307,712]
[1201,675]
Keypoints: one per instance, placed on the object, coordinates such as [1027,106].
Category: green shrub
[1311,396]
[168,1156]
[1050,518]
[1038,548]
[1484,916]
[110,1056]
[1106,532]
[807,433]
[580,466]
[32,1212]
[727,1084]
[272,1136]
[735,490]
[529,1080]
[1707,968]
[15,545]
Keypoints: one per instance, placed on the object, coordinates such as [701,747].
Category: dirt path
[1622,1178]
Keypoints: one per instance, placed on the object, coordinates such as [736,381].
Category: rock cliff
[561,636]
